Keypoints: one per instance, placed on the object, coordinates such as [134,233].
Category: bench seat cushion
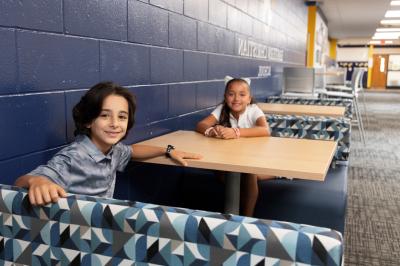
[305,201]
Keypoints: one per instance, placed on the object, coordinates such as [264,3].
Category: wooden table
[295,158]
[302,109]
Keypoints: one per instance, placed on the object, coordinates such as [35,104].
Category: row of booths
[178,215]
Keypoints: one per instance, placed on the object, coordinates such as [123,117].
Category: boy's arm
[41,190]
[146,152]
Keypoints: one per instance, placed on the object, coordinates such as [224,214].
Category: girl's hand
[225,132]
[213,133]
[43,191]
[180,156]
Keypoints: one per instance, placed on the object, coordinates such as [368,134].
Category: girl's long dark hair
[89,107]
[225,112]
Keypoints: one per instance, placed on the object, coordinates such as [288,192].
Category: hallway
[373,216]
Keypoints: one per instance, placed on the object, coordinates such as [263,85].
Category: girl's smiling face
[237,97]
[111,125]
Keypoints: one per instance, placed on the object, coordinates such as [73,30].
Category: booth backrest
[309,127]
[348,104]
[97,231]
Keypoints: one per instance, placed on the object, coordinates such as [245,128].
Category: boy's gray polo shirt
[81,168]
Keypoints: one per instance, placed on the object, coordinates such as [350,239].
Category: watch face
[169,149]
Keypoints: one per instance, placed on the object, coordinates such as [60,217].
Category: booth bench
[82,230]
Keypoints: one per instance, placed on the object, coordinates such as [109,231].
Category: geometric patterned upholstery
[83,230]
[310,127]
[347,103]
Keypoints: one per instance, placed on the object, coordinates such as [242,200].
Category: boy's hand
[180,156]
[43,191]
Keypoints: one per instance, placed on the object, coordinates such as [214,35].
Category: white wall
[360,54]
[352,54]
[386,50]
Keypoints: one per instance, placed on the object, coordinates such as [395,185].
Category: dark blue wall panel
[182,99]
[196,9]
[31,123]
[220,65]
[124,63]
[13,168]
[8,59]
[166,65]
[152,103]
[172,54]
[8,13]
[173,5]
[215,39]
[182,32]
[94,18]
[217,13]
[40,15]
[207,94]
[50,62]
[147,24]
[194,66]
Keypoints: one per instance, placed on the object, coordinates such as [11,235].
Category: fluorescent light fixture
[392,35]
[392,14]
[395,3]
[380,42]
[390,22]
[384,38]
[387,29]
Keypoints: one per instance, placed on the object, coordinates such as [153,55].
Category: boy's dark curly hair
[90,105]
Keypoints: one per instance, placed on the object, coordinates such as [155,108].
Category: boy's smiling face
[111,125]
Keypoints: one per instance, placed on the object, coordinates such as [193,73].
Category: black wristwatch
[168,150]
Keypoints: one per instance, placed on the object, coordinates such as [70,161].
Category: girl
[88,165]
[236,117]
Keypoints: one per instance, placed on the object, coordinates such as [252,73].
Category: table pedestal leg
[232,193]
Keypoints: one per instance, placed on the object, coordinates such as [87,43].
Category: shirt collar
[241,115]
[92,149]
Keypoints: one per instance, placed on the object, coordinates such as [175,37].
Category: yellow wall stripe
[370,61]
[332,48]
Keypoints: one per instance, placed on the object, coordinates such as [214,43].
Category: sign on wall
[257,50]
[321,45]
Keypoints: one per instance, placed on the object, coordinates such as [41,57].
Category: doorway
[379,71]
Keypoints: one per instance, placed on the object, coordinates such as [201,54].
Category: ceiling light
[387,34]
[380,42]
[390,22]
[395,3]
[392,14]
[384,38]
[387,29]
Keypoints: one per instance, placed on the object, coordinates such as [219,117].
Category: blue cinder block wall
[173,54]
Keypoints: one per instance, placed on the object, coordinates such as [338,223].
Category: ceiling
[349,19]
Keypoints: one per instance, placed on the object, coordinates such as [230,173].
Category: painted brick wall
[173,54]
